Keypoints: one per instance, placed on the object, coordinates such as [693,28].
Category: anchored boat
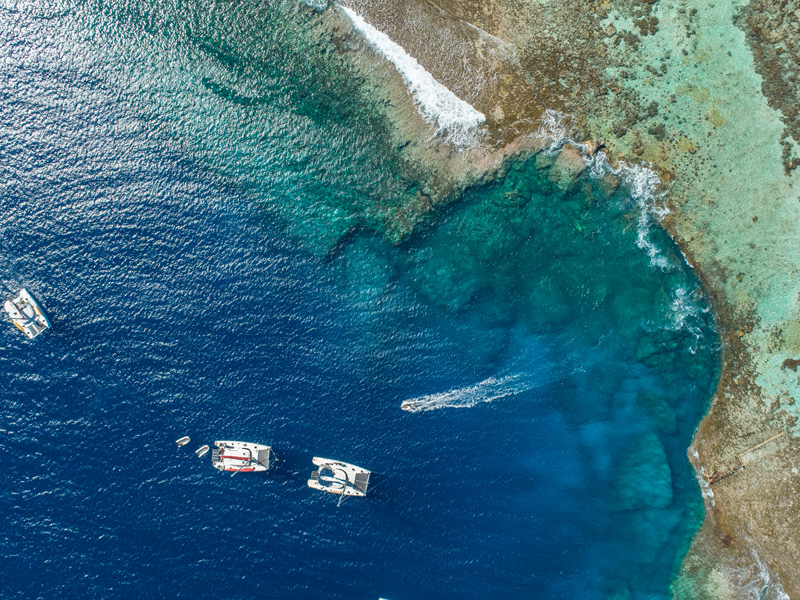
[26,314]
[341,478]
[244,457]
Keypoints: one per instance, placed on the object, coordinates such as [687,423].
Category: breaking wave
[754,580]
[451,115]
[686,311]
[705,487]
[488,390]
[643,183]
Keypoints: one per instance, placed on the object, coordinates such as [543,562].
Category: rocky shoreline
[681,87]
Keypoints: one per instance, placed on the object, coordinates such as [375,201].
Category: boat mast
[247,464]
[344,489]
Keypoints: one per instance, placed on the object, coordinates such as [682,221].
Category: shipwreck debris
[722,474]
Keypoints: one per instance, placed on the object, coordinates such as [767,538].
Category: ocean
[191,197]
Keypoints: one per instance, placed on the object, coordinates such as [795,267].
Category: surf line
[642,182]
[451,115]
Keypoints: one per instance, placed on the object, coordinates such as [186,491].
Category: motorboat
[410,406]
[26,314]
[244,457]
[202,450]
[183,441]
[341,478]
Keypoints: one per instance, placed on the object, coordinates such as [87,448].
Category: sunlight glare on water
[193,197]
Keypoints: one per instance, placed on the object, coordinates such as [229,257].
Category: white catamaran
[26,314]
[340,478]
[244,457]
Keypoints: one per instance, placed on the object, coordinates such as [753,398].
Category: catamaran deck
[241,456]
[26,314]
[337,477]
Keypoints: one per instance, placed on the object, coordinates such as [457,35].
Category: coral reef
[707,94]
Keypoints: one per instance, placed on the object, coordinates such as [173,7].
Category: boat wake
[452,116]
[488,390]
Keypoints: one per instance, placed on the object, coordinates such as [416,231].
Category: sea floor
[706,92]
[210,266]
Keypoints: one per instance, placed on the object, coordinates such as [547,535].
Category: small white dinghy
[244,457]
[202,450]
[341,478]
[26,314]
[183,441]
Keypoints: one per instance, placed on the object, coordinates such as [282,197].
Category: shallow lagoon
[566,372]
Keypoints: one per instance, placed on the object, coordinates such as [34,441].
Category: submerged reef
[707,94]
[773,32]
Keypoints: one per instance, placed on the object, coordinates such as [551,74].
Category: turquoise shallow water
[200,153]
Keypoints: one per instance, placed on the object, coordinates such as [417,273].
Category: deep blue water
[166,230]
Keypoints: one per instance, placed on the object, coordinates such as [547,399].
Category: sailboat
[26,314]
[241,457]
[341,478]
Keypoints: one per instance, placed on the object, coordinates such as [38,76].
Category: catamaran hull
[26,314]
[241,457]
[344,479]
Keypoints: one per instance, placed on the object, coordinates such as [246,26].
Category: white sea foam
[451,115]
[316,4]
[643,183]
[488,390]
[756,581]
[687,309]
[705,487]
[644,186]
[553,127]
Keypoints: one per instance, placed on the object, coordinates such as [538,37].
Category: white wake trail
[488,390]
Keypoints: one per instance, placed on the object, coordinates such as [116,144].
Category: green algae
[730,160]
[708,99]
[736,214]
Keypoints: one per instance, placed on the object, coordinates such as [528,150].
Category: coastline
[690,105]
[529,290]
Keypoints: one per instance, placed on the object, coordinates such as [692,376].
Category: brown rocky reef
[675,84]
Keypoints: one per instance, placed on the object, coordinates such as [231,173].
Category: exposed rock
[567,167]
[657,131]
[592,146]
[596,81]
[767,24]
